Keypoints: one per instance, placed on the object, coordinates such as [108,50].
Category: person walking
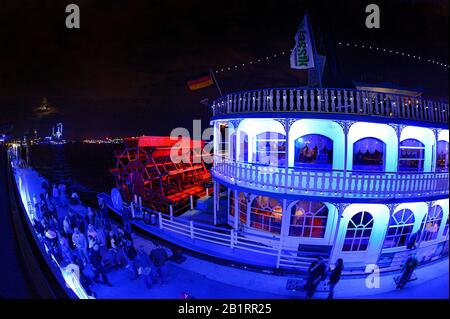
[67,229]
[159,257]
[92,232]
[80,243]
[89,217]
[112,246]
[317,273]
[335,276]
[126,219]
[131,254]
[407,270]
[66,252]
[146,268]
[97,265]
[103,212]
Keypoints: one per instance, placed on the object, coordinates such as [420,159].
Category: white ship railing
[332,101]
[277,254]
[332,183]
[269,245]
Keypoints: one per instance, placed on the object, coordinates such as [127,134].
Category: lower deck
[195,231]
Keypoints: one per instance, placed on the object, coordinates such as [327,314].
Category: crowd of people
[93,240]
[81,238]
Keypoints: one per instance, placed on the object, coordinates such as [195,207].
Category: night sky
[124,72]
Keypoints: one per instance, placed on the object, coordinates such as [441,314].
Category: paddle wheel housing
[145,168]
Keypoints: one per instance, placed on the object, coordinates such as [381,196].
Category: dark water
[82,167]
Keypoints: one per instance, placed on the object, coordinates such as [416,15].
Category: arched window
[369,154]
[308,219]
[412,155]
[266,214]
[270,149]
[358,232]
[430,225]
[314,150]
[442,156]
[400,227]
[242,206]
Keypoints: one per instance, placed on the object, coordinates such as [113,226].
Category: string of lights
[341,44]
[392,51]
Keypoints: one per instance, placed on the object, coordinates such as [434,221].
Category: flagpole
[319,76]
[211,72]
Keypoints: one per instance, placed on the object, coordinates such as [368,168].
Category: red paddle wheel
[145,168]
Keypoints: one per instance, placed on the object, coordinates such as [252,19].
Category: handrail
[332,100]
[271,245]
[333,183]
[307,168]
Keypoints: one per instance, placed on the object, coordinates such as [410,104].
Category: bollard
[160,221]
[192,202]
[171,211]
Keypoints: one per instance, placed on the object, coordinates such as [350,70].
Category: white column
[215,202]
[285,220]
[344,182]
[286,166]
[399,152]
[249,209]
[337,224]
[236,209]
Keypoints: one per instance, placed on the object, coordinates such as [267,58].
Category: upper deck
[332,101]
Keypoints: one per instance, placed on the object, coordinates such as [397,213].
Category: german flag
[200,83]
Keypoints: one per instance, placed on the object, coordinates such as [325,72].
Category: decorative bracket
[235,123]
[287,123]
[345,124]
[392,207]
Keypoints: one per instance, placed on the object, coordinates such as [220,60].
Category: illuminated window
[231,202]
[223,140]
[314,150]
[358,232]
[431,223]
[266,214]
[442,156]
[243,147]
[445,229]
[308,219]
[270,149]
[369,154]
[400,227]
[242,206]
[412,154]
